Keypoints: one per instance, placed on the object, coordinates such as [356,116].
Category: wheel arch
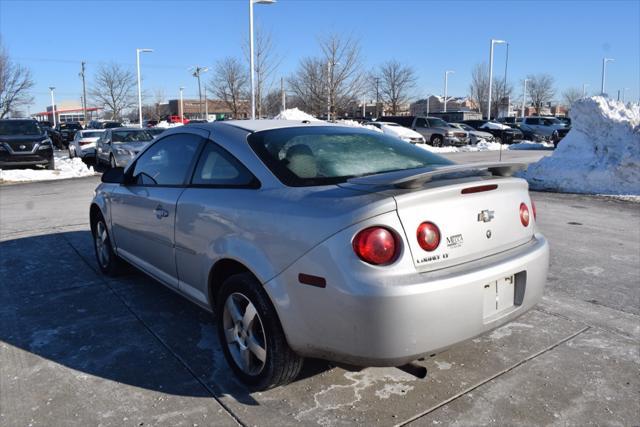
[221,271]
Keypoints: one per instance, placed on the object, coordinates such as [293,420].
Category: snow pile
[355,124]
[494,125]
[530,145]
[65,168]
[166,125]
[295,114]
[600,155]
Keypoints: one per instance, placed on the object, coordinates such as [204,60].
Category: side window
[217,167]
[421,122]
[168,161]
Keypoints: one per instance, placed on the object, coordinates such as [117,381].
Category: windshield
[552,121]
[438,123]
[128,136]
[326,155]
[19,127]
[91,134]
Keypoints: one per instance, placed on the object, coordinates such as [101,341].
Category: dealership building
[67,111]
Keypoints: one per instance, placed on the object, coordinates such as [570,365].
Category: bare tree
[15,83]
[265,64]
[272,103]
[396,81]
[336,77]
[503,91]
[229,83]
[479,87]
[540,90]
[114,87]
[571,95]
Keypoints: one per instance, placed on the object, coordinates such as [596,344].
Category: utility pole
[206,104]
[604,73]
[53,105]
[493,42]
[524,96]
[84,92]
[446,85]
[197,71]
[181,106]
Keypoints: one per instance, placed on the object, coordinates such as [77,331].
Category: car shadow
[129,329]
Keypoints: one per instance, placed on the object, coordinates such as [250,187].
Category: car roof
[260,125]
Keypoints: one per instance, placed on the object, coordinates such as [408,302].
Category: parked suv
[435,131]
[24,143]
[68,131]
[547,126]
[502,133]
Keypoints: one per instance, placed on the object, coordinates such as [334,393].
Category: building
[67,111]
[435,104]
[216,109]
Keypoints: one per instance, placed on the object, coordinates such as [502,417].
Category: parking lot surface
[77,348]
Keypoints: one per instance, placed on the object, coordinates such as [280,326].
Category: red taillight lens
[533,208]
[428,236]
[524,214]
[375,245]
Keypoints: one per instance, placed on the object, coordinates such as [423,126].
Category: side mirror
[113,176]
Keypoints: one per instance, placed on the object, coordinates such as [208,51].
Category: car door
[143,208]
[207,217]
[102,146]
[422,127]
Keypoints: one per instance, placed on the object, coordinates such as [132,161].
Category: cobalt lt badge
[488,234]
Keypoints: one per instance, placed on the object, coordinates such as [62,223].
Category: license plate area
[498,295]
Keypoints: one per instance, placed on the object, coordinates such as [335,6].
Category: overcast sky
[566,39]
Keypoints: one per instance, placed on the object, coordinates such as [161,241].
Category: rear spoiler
[414,178]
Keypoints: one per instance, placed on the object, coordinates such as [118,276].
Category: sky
[566,39]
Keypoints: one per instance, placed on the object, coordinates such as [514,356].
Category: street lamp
[493,42]
[604,72]
[197,71]
[584,90]
[53,105]
[253,85]
[524,95]
[139,87]
[446,83]
[181,106]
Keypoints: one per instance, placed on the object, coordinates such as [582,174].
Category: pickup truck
[435,131]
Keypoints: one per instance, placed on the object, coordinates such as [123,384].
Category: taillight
[533,208]
[376,245]
[428,236]
[524,214]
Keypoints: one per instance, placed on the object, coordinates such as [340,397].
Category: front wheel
[109,263]
[252,339]
[436,141]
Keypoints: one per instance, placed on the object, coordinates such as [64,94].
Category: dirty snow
[295,114]
[65,168]
[600,155]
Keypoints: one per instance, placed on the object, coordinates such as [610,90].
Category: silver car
[320,240]
[117,146]
[475,135]
[84,143]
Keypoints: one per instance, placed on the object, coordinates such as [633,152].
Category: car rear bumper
[399,319]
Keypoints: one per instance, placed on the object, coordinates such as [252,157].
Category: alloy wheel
[244,334]
[101,239]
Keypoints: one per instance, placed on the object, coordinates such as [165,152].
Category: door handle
[161,212]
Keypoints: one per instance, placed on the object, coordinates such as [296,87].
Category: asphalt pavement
[77,348]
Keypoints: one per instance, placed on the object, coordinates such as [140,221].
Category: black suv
[503,136]
[68,131]
[24,143]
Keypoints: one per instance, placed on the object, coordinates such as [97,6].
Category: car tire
[436,141]
[255,348]
[71,153]
[52,164]
[108,262]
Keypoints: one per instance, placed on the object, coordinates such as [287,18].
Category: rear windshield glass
[328,155]
[126,136]
[91,134]
[19,127]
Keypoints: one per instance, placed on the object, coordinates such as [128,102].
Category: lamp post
[446,83]
[524,96]
[584,90]
[53,105]
[181,106]
[138,51]
[197,71]
[604,72]
[493,42]
[253,86]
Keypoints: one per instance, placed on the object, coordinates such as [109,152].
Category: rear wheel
[251,335]
[109,263]
[436,141]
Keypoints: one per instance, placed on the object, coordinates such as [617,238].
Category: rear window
[326,155]
[91,134]
[19,127]
[126,136]
[110,125]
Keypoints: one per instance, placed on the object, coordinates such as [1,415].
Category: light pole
[197,71]
[584,90]
[329,90]
[524,96]
[493,42]
[446,83]
[604,72]
[253,85]
[139,87]
[181,106]
[53,105]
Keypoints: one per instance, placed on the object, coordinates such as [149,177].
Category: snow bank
[295,114]
[355,124]
[494,125]
[166,125]
[600,155]
[65,168]
[530,145]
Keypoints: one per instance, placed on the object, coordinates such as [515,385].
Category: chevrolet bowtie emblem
[485,216]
